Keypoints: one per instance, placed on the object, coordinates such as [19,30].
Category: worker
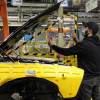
[88,55]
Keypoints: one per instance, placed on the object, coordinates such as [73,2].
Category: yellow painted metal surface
[67,78]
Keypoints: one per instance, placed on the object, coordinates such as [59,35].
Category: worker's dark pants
[90,88]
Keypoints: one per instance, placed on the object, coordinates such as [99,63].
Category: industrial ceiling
[19,14]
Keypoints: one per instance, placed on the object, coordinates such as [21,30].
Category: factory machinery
[32,78]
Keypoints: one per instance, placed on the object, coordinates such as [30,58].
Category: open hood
[33,22]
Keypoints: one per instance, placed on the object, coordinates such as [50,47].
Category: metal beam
[35,5]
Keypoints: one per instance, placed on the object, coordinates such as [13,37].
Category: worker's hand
[75,37]
[49,42]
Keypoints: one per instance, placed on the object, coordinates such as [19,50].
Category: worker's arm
[77,49]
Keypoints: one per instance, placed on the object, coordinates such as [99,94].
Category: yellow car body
[67,78]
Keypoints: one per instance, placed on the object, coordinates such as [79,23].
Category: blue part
[27,37]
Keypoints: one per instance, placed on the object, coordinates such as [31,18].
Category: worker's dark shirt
[88,53]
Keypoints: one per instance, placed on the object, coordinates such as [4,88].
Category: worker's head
[91,28]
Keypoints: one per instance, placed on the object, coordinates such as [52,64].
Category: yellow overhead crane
[35,79]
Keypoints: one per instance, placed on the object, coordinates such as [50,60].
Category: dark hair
[91,25]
